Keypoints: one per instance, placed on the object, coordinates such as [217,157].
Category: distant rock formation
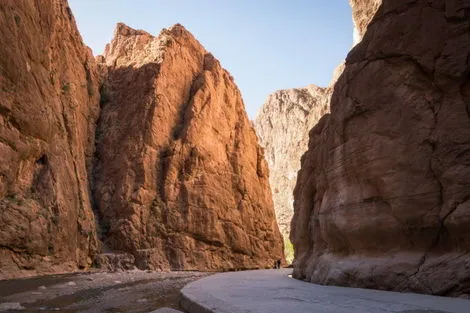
[49,102]
[180,179]
[383,195]
[285,119]
[282,125]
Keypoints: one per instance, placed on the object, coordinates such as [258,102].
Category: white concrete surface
[166,310]
[272,291]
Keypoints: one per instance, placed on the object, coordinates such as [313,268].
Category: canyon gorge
[145,157]
[284,121]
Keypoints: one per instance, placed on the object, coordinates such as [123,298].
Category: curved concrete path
[272,291]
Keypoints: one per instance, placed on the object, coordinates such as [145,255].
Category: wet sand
[120,292]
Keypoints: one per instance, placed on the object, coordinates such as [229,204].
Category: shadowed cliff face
[48,107]
[180,179]
[382,197]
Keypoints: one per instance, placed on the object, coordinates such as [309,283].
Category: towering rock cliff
[282,125]
[177,178]
[49,103]
[382,198]
[180,179]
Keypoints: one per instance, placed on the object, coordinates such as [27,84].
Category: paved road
[272,291]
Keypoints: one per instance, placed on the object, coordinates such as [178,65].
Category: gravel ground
[120,292]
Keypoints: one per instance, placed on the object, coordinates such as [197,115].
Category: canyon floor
[120,292]
[259,291]
[273,291]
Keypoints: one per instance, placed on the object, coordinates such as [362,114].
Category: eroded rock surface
[49,103]
[383,195]
[282,125]
[363,11]
[180,179]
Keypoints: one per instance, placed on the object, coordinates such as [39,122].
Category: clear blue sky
[265,44]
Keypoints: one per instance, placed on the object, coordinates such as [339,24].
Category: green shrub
[288,250]
[65,87]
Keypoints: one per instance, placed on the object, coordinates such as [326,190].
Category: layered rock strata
[180,179]
[49,102]
[382,198]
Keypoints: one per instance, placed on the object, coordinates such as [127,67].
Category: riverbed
[119,292]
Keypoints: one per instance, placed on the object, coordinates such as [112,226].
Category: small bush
[14,198]
[89,88]
[17,20]
[65,87]
[288,250]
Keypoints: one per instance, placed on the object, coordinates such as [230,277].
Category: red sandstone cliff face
[180,179]
[383,195]
[181,182]
[48,107]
